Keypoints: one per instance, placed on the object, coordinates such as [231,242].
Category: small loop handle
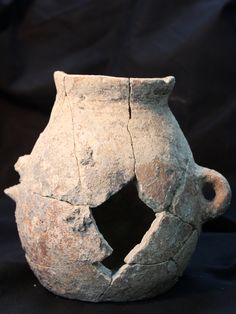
[222,198]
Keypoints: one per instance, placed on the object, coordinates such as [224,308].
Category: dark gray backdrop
[193,40]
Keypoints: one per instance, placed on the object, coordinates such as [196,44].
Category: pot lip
[166,79]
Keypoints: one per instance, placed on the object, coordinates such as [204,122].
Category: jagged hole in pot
[123,220]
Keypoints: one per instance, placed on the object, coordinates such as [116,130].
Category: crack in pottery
[104,132]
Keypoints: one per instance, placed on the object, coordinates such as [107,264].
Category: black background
[193,40]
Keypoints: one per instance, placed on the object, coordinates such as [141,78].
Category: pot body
[104,132]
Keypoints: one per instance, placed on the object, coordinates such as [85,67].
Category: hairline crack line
[73,129]
[128,129]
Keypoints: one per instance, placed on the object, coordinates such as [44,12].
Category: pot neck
[115,89]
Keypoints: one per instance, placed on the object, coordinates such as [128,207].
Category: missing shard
[123,220]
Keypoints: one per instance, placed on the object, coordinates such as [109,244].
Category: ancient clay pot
[103,133]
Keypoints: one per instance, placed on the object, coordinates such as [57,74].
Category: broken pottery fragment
[107,136]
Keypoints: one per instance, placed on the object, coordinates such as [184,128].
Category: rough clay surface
[102,133]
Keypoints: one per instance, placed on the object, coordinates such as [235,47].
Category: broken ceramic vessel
[103,133]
